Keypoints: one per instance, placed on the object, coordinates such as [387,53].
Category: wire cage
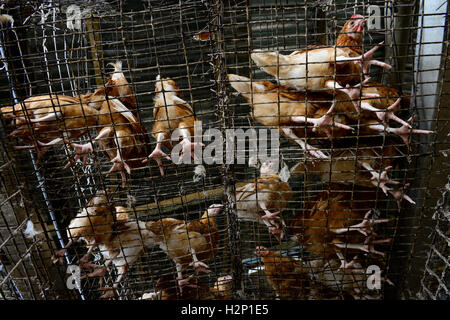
[352,205]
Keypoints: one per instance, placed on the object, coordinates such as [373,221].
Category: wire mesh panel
[221,149]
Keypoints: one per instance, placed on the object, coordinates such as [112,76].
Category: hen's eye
[351,23]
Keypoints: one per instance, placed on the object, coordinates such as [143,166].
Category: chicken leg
[59,255]
[182,282]
[368,246]
[157,154]
[379,179]
[365,60]
[269,220]
[353,265]
[197,264]
[354,93]
[400,194]
[403,132]
[316,153]
[83,150]
[325,121]
[365,227]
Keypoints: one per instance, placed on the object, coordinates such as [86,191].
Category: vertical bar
[220,79]
[92,26]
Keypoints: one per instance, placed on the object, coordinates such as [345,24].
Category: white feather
[30,232]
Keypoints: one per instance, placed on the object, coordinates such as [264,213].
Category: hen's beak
[360,24]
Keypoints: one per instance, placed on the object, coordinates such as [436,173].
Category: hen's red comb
[357,16]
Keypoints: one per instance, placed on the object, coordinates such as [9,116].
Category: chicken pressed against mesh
[171,113]
[188,243]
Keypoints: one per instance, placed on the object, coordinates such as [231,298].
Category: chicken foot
[157,154]
[83,150]
[314,152]
[182,282]
[100,271]
[325,121]
[353,265]
[188,146]
[368,246]
[111,292]
[197,264]
[83,262]
[400,194]
[403,132]
[354,93]
[269,220]
[119,164]
[365,227]
[385,115]
[379,179]
[365,60]
[59,255]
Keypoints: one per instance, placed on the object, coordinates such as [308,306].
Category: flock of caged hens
[323,98]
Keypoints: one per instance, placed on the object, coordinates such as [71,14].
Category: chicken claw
[277,233]
[82,151]
[354,93]
[99,272]
[385,115]
[400,194]
[365,227]
[118,160]
[353,265]
[200,266]
[271,215]
[314,152]
[325,121]
[405,130]
[365,60]
[188,147]
[184,282]
[120,166]
[368,246]
[157,154]
[381,179]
